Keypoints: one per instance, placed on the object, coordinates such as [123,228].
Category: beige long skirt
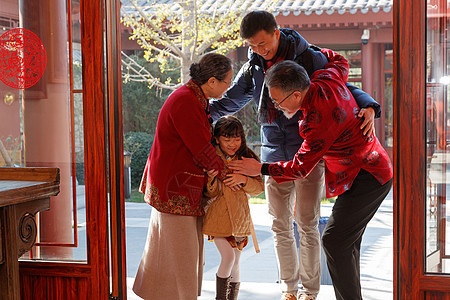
[171,267]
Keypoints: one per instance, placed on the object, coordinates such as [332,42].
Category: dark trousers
[342,236]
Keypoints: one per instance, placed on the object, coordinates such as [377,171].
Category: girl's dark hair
[230,126]
[255,21]
[210,65]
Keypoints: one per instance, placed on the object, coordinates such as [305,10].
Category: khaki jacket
[229,213]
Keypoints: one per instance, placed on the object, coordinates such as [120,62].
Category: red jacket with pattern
[331,130]
[173,178]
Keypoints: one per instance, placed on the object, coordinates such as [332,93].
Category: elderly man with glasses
[358,170]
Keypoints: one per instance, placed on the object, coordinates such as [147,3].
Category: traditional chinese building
[362,30]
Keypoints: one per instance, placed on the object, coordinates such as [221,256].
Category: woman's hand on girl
[212,173]
[234,179]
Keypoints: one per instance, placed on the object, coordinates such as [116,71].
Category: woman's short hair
[210,65]
[255,21]
[287,76]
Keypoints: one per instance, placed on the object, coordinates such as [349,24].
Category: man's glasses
[277,104]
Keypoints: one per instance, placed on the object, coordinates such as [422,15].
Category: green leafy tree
[179,33]
[138,144]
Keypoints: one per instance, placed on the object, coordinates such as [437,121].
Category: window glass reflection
[437,239]
[41,125]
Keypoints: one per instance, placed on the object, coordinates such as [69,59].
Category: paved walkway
[259,271]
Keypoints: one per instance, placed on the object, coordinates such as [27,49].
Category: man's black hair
[255,21]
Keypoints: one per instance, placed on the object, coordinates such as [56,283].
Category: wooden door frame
[94,122]
[116,163]
[102,122]
[90,278]
[410,279]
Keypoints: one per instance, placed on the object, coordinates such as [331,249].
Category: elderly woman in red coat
[173,181]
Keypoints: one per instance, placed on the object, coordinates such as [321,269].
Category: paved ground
[259,271]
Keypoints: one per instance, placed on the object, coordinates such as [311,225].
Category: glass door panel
[437,215]
[42,125]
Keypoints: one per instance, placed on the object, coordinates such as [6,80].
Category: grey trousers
[303,197]
[343,234]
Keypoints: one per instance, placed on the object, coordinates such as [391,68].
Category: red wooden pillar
[371,70]
[367,59]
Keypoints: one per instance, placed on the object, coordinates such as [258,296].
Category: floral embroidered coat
[173,178]
[229,213]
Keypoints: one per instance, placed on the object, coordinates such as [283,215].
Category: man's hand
[246,166]
[367,126]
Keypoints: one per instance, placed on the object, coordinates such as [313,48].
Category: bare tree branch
[193,52]
[143,74]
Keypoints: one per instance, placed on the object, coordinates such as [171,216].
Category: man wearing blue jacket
[280,141]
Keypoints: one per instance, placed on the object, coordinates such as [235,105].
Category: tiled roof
[284,7]
[332,6]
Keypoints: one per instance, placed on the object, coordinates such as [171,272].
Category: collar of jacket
[194,86]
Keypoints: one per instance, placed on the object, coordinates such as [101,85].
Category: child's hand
[212,173]
[235,179]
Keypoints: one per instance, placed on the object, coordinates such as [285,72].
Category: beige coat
[229,213]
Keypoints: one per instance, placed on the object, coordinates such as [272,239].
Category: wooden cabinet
[23,193]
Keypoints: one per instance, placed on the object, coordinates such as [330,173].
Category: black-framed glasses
[277,104]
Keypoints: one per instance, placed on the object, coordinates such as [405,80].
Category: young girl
[227,221]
